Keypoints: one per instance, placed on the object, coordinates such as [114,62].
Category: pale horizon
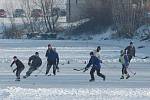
[4,4]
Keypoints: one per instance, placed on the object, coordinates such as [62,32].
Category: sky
[4,3]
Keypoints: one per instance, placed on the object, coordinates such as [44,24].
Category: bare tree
[50,14]
[48,18]
[11,30]
[28,21]
[127,15]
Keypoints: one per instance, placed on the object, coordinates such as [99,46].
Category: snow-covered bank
[16,93]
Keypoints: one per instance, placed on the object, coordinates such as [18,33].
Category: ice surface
[69,84]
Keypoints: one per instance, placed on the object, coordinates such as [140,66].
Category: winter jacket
[35,61]
[95,62]
[18,63]
[97,54]
[52,56]
[123,59]
[130,50]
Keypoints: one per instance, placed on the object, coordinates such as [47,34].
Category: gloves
[119,60]
[85,69]
[101,61]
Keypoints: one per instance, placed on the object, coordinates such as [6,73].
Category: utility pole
[69,3]
[76,1]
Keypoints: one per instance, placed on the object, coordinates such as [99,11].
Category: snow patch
[4,94]
[143,31]
[17,93]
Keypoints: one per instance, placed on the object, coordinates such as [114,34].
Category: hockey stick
[40,70]
[79,69]
[143,57]
[12,69]
[131,71]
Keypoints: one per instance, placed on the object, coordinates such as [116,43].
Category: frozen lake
[69,84]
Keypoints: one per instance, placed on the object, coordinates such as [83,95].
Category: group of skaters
[95,62]
[125,58]
[53,60]
[35,62]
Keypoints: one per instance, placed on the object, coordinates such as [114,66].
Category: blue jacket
[52,56]
[126,60]
[95,62]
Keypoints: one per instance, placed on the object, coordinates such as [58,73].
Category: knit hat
[36,53]
[14,57]
[131,42]
[99,47]
[49,45]
[91,53]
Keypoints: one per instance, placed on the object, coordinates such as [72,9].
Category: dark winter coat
[35,61]
[52,56]
[18,63]
[95,62]
[130,50]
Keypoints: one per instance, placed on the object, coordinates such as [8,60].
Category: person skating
[95,62]
[34,62]
[19,69]
[52,60]
[123,59]
[130,50]
[97,52]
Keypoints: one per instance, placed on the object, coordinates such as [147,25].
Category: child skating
[123,59]
[95,62]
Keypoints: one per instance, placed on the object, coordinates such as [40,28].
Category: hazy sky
[4,3]
[16,3]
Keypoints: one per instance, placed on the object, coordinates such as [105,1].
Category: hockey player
[34,62]
[19,69]
[95,62]
[52,59]
[123,59]
[130,50]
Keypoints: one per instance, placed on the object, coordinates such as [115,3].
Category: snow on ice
[16,93]
[69,84]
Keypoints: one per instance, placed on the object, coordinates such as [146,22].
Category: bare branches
[40,15]
[127,15]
